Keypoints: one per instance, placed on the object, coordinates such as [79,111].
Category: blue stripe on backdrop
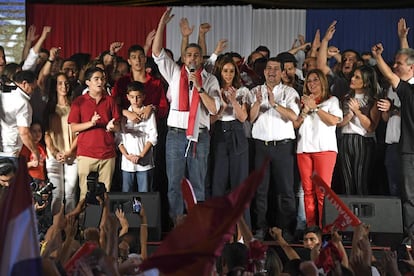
[360,29]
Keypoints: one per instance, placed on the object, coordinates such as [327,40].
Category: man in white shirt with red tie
[194,97]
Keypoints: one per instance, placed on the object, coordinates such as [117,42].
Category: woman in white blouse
[229,146]
[316,141]
[361,117]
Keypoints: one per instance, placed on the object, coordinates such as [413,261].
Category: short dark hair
[7,166]
[194,45]
[136,86]
[233,55]
[263,48]
[91,71]
[357,55]
[286,57]
[313,229]
[25,75]
[136,48]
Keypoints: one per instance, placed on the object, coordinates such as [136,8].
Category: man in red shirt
[155,101]
[95,117]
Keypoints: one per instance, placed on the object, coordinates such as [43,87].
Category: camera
[4,84]
[40,188]
[95,188]
[47,189]
[136,204]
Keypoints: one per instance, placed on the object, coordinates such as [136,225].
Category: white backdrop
[244,27]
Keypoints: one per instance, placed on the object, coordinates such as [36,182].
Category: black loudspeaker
[382,213]
[151,203]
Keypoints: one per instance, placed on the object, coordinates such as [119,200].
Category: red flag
[19,245]
[190,249]
[345,216]
[188,194]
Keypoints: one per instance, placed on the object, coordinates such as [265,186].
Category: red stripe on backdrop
[91,29]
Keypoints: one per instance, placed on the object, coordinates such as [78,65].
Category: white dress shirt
[270,125]
[172,74]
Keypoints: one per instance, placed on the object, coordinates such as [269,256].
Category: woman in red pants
[317,146]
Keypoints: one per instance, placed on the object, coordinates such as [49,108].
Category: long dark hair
[370,80]
[51,88]
[236,83]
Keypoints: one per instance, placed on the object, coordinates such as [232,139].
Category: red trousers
[322,164]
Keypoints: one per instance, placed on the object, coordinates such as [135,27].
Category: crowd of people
[145,122]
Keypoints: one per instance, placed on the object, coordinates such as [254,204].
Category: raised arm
[148,41]
[403,33]
[47,67]
[30,37]
[186,31]
[322,56]
[316,44]
[377,50]
[203,29]
[30,61]
[276,234]
[143,233]
[158,39]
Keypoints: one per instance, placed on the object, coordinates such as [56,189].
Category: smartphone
[136,204]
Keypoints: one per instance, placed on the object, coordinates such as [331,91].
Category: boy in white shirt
[136,141]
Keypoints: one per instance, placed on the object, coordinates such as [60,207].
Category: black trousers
[356,154]
[279,177]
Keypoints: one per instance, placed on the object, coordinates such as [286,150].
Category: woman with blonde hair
[316,141]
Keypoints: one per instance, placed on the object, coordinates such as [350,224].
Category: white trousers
[65,178]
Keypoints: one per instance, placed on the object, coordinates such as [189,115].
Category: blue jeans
[193,166]
[143,180]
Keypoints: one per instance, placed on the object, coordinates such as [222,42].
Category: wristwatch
[275,105]
[201,90]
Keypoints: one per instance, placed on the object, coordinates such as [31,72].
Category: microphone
[192,70]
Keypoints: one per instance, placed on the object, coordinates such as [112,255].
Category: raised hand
[185,28]
[150,38]
[204,28]
[46,31]
[221,46]
[377,50]
[31,34]
[115,47]
[330,31]
[316,43]
[166,17]
[402,28]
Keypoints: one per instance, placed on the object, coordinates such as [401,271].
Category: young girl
[36,169]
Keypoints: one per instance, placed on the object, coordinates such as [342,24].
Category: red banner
[345,216]
[188,194]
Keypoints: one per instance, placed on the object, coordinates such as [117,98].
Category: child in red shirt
[38,173]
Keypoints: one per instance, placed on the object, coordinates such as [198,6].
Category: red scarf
[184,95]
